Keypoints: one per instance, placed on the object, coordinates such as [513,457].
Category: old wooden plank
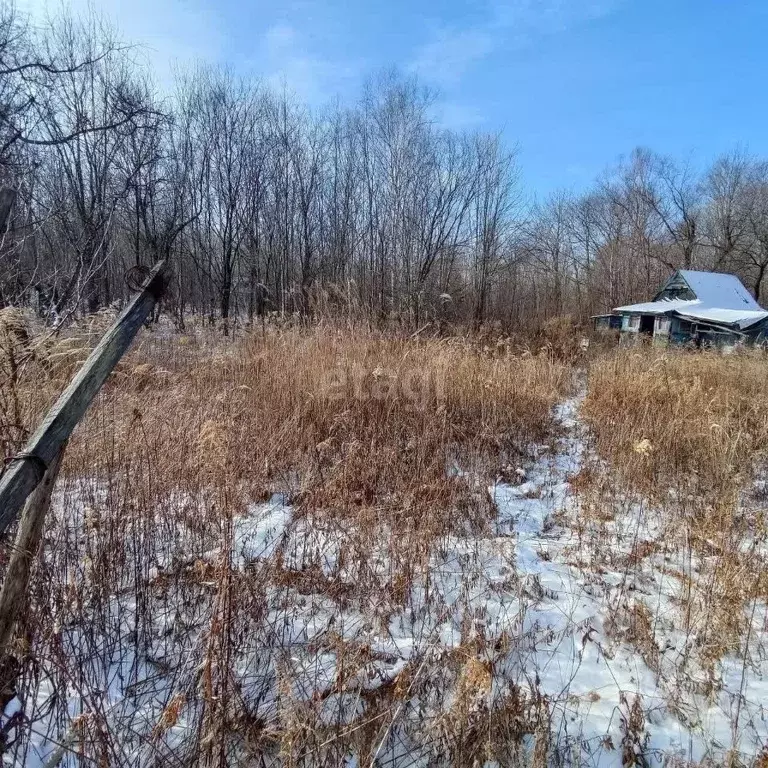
[25,473]
[25,548]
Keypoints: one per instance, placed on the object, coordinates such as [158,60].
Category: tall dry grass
[681,421]
[384,448]
[341,420]
[680,439]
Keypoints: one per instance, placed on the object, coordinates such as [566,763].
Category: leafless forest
[371,210]
[401,516]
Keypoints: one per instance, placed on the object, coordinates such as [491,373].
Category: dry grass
[681,437]
[352,425]
[16,410]
[694,423]
[384,447]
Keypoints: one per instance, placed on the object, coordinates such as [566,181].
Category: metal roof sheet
[716,289]
[725,316]
[720,299]
[657,307]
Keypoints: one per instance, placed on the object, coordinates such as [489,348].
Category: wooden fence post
[14,592]
[24,550]
[28,468]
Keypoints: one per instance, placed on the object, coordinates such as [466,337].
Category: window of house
[663,325]
[634,322]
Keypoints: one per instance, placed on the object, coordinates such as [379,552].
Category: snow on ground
[532,610]
[591,679]
[521,582]
[259,533]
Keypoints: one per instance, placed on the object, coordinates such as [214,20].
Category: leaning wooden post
[25,548]
[28,468]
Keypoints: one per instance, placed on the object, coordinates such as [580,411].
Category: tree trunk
[226,297]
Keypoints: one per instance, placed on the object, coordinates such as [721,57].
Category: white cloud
[450,52]
[167,32]
[289,63]
[447,57]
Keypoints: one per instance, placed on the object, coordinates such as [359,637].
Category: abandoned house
[703,308]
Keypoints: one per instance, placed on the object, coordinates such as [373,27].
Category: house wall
[661,326]
[661,331]
[681,331]
[628,335]
[630,323]
[711,337]
[686,332]
[607,323]
[758,334]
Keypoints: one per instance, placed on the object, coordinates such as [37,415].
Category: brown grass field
[286,549]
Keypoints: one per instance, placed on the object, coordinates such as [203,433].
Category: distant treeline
[263,205]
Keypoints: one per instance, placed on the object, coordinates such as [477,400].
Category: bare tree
[672,190]
[494,211]
[223,114]
[36,65]
[725,186]
[756,251]
[264,205]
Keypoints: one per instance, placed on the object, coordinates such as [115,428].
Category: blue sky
[574,83]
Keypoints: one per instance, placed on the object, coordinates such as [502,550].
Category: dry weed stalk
[384,447]
[679,438]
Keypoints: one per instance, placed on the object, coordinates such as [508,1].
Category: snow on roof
[715,289]
[721,299]
[725,316]
[658,307]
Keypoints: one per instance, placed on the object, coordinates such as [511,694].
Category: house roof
[735,317]
[657,307]
[720,299]
[716,289]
